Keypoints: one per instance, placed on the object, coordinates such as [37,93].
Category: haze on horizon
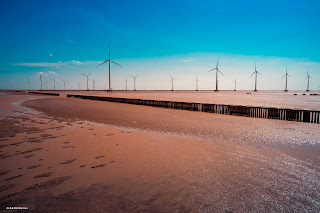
[156,39]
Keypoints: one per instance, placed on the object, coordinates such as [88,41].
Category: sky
[156,39]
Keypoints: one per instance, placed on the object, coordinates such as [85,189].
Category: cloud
[50,54]
[55,64]
[52,73]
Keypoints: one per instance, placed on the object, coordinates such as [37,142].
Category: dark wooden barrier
[45,93]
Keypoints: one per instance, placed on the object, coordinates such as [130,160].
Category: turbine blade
[283,76]
[102,63]
[116,63]
[220,72]
[252,74]
[212,69]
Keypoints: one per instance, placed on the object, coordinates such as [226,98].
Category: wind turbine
[217,70]
[93,84]
[286,75]
[12,83]
[109,60]
[172,82]
[126,81]
[196,83]
[235,84]
[308,76]
[64,84]
[256,77]
[40,73]
[79,83]
[87,79]
[54,84]
[134,81]
[29,83]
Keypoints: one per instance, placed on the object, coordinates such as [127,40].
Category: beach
[70,155]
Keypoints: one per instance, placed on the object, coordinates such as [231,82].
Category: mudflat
[70,155]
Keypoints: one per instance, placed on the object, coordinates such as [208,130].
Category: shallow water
[267,99]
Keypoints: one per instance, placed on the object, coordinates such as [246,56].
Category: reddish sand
[70,159]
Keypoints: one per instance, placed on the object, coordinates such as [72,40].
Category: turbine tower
[235,84]
[172,82]
[29,83]
[256,77]
[87,79]
[54,84]
[196,83]
[93,84]
[217,70]
[286,75]
[40,73]
[134,81]
[64,84]
[308,76]
[126,82]
[109,60]
[79,83]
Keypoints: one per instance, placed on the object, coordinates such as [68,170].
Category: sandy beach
[70,155]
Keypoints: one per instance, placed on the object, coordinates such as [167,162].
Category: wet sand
[88,156]
[261,98]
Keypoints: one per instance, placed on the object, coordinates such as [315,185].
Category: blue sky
[156,39]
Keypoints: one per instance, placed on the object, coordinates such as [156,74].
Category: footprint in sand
[47,174]
[8,186]
[49,183]
[2,172]
[109,134]
[66,147]
[68,161]
[82,166]
[33,167]
[101,156]
[101,165]
[14,177]
[29,156]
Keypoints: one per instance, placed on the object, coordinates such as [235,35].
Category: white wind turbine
[196,83]
[286,75]
[40,74]
[87,79]
[134,81]
[29,83]
[126,82]
[172,82]
[256,77]
[308,76]
[64,84]
[217,71]
[93,84]
[235,84]
[109,60]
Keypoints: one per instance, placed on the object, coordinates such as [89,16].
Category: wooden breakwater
[45,93]
[300,115]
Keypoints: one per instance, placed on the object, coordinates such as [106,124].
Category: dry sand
[88,156]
